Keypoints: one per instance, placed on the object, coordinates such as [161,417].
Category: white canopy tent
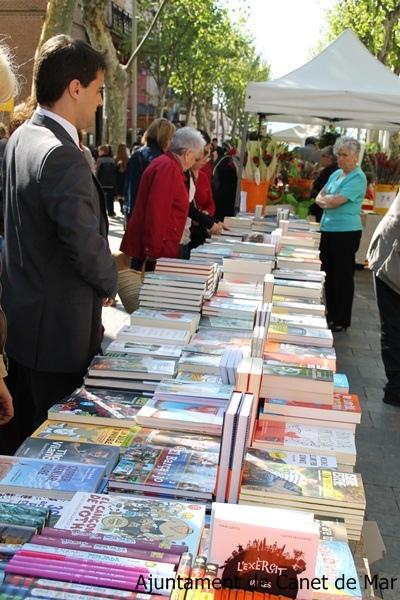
[345,85]
[296,134]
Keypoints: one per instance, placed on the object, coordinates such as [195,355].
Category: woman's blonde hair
[161,132]
[8,78]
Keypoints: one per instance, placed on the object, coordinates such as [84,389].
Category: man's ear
[74,88]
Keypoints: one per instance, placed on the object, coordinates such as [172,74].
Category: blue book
[335,559]
[340,383]
[47,478]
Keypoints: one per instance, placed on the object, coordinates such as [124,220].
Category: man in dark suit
[58,270]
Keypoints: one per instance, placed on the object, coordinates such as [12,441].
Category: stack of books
[99,407]
[225,365]
[139,373]
[297,383]
[185,412]
[40,477]
[166,319]
[332,494]
[153,335]
[232,307]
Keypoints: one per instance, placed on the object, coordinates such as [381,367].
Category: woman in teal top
[341,200]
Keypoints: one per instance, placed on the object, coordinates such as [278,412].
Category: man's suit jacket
[57,262]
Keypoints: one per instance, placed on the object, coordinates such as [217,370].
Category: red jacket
[208,170]
[204,198]
[156,226]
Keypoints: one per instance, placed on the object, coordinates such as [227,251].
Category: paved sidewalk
[378,436]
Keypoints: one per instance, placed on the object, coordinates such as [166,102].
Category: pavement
[378,435]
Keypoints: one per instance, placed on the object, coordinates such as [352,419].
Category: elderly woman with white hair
[8,89]
[158,220]
[341,200]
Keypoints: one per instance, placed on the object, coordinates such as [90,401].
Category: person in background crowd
[224,183]
[309,151]
[203,221]
[58,269]
[122,160]
[341,200]
[216,151]
[8,89]
[3,142]
[156,139]
[87,153]
[329,166]
[384,261]
[208,164]
[161,208]
[106,171]
[21,113]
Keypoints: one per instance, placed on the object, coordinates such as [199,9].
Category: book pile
[184,406]
[225,365]
[107,547]
[134,373]
[99,406]
[167,319]
[156,469]
[292,257]
[333,494]
[40,477]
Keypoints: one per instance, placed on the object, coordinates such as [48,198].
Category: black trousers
[389,313]
[33,392]
[338,250]
[110,196]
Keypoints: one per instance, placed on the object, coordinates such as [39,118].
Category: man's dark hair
[205,135]
[311,140]
[62,59]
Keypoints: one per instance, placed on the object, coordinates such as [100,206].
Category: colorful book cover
[280,480]
[313,461]
[144,365]
[227,323]
[129,517]
[163,315]
[335,559]
[148,468]
[198,377]
[83,432]
[343,404]
[263,551]
[53,505]
[184,414]
[172,439]
[293,330]
[158,333]
[293,435]
[312,374]
[100,406]
[25,473]
[58,450]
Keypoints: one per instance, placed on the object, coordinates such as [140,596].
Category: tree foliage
[198,51]
[376,23]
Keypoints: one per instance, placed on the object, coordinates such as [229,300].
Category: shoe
[391,398]
[337,328]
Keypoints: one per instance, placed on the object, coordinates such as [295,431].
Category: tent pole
[241,160]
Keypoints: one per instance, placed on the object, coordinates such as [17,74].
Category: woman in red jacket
[156,226]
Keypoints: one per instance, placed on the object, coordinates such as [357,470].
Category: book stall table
[213,438]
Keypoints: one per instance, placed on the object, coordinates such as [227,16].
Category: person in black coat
[329,166]
[106,172]
[157,140]
[58,270]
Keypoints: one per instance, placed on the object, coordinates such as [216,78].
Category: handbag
[129,281]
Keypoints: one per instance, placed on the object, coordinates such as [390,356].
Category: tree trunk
[391,22]
[189,112]
[59,16]
[117,80]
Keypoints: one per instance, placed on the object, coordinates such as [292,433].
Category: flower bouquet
[386,176]
[301,178]
[259,169]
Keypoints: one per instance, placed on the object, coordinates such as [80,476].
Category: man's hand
[6,405]
[108,301]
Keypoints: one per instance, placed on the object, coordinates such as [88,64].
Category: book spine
[114,540]
[105,548]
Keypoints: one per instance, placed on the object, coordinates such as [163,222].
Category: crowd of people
[175,190]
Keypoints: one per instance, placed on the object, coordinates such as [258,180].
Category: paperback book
[83,432]
[99,407]
[157,520]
